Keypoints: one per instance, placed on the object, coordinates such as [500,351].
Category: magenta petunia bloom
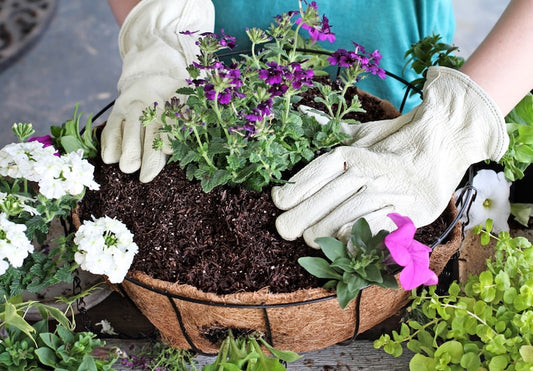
[45,140]
[410,254]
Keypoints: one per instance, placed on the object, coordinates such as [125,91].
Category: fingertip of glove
[283,226]
[152,167]
[129,165]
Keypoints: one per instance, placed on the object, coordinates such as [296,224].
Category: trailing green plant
[239,124]
[484,324]
[160,357]
[246,353]
[430,51]
[520,129]
[26,346]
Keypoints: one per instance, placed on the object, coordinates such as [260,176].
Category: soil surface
[223,242]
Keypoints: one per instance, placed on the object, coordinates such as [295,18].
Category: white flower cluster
[105,246]
[57,176]
[14,245]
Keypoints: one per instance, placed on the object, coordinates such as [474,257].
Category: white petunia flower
[14,245]
[105,246]
[491,201]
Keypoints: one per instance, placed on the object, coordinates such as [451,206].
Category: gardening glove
[410,165]
[155,55]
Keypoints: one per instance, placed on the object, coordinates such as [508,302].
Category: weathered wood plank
[358,355]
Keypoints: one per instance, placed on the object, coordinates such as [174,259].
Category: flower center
[110,239]
[487,203]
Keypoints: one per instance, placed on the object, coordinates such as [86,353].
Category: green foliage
[40,270]
[484,324]
[520,129]
[26,346]
[159,356]
[69,137]
[354,266]
[246,353]
[430,51]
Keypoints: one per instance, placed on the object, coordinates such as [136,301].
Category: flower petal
[398,241]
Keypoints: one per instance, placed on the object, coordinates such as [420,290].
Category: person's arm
[121,8]
[501,65]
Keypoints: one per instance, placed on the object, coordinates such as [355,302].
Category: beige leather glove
[155,55]
[409,165]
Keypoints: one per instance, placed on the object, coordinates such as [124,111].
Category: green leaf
[284,355]
[420,362]
[498,363]
[46,356]
[470,361]
[452,348]
[526,352]
[87,364]
[318,267]
[12,318]
[51,340]
[331,247]
[344,295]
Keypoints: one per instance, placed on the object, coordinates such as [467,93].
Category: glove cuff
[480,111]
[164,19]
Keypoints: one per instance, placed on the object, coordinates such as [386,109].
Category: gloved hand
[410,165]
[155,56]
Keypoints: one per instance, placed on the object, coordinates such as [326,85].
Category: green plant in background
[520,129]
[483,324]
[430,51]
[245,353]
[26,346]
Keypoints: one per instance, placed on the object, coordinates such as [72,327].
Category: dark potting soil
[223,242]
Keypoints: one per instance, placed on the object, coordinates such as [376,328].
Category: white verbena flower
[14,245]
[105,246]
[57,175]
[491,201]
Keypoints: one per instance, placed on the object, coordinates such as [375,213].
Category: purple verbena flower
[343,58]
[265,106]
[272,75]
[226,40]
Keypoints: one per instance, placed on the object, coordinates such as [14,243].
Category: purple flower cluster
[364,60]
[319,29]
[319,33]
[229,77]
[280,77]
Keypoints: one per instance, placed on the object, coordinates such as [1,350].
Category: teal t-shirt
[390,26]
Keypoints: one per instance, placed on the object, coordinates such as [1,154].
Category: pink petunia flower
[410,254]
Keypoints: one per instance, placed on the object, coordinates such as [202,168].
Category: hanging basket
[301,321]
